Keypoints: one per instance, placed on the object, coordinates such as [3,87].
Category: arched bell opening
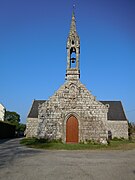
[72,57]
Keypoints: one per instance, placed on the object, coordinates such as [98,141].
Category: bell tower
[73,52]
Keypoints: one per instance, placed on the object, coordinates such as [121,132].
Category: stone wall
[73,99]
[118,128]
[31,127]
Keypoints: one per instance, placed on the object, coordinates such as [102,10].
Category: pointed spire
[73,23]
[73,52]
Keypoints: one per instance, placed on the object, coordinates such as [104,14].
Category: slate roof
[115,112]
[34,109]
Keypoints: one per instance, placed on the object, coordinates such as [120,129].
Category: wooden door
[72,130]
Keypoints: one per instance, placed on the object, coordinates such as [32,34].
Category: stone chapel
[73,114]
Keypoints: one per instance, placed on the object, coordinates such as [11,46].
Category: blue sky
[33,36]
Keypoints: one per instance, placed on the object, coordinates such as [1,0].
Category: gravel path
[20,163]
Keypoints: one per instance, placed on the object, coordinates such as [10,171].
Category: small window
[73,42]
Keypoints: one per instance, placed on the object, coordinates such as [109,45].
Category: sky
[33,36]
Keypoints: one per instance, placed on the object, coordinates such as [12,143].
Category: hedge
[6,130]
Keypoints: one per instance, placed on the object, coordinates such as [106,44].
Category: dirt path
[20,163]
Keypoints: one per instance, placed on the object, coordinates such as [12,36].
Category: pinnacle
[73,24]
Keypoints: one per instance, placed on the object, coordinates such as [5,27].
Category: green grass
[56,145]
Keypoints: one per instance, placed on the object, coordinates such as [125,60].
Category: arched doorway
[72,130]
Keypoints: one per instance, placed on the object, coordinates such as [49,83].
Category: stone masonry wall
[73,99]
[118,128]
[31,128]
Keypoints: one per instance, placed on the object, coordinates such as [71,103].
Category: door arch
[72,130]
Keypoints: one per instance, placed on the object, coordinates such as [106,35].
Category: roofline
[110,101]
[3,105]
[121,107]
[124,110]
[30,108]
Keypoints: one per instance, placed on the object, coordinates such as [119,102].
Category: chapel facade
[73,114]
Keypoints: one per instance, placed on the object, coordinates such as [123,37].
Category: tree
[22,127]
[131,130]
[14,119]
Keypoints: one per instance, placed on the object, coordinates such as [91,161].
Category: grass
[56,145]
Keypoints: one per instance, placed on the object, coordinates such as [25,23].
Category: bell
[73,60]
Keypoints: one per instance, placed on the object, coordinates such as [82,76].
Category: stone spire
[73,24]
[73,52]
